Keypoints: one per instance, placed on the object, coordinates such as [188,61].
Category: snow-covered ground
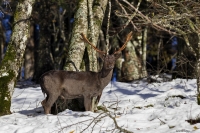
[137,107]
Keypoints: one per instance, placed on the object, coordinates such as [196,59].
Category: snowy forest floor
[139,107]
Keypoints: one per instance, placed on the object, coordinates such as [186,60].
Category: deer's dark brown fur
[71,84]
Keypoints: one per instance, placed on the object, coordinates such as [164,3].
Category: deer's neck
[105,77]
[106,73]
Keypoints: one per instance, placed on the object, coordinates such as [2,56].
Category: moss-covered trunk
[12,61]
[77,46]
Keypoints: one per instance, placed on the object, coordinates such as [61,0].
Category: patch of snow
[138,107]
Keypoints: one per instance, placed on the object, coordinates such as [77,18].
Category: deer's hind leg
[48,102]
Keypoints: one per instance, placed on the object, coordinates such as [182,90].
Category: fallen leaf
[195,128]
[72,131]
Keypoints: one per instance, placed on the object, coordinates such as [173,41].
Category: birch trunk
[96,15]
[144,52]
[98,12]
[77,46]
[90,51]
[12,61]
[29,56]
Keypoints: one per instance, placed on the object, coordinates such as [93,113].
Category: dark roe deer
[71,84]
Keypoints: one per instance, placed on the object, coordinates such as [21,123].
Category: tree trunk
[12,61]
[98,11]
[77,46]
[133,67]
[29,56]
[92,60]
[144,52]
[198,82]
[2,41]
[96,15]
[198,71]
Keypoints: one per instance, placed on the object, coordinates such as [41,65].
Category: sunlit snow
[137,107]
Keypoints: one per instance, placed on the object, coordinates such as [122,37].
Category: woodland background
[40,35]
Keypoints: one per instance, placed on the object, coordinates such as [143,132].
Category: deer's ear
[117,55]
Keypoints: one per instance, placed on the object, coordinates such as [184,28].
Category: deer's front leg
[88,103]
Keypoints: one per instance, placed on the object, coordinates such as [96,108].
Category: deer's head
[109,60]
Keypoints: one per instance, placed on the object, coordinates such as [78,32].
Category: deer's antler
[87,41]
[128,38]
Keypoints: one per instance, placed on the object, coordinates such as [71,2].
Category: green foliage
[5,98]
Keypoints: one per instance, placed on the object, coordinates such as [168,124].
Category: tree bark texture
[198,71]
[2,40]
[92,60]
[132,67]
[96,15]
[77,46]
[12,61]
[144,52]
[80,26]
[29,61]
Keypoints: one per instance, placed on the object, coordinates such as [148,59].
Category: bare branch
[131,17]
[147,19]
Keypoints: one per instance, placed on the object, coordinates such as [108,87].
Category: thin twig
[98,117]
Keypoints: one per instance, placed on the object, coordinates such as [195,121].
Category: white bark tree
[13,59]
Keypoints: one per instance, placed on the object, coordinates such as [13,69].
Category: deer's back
[73,83]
